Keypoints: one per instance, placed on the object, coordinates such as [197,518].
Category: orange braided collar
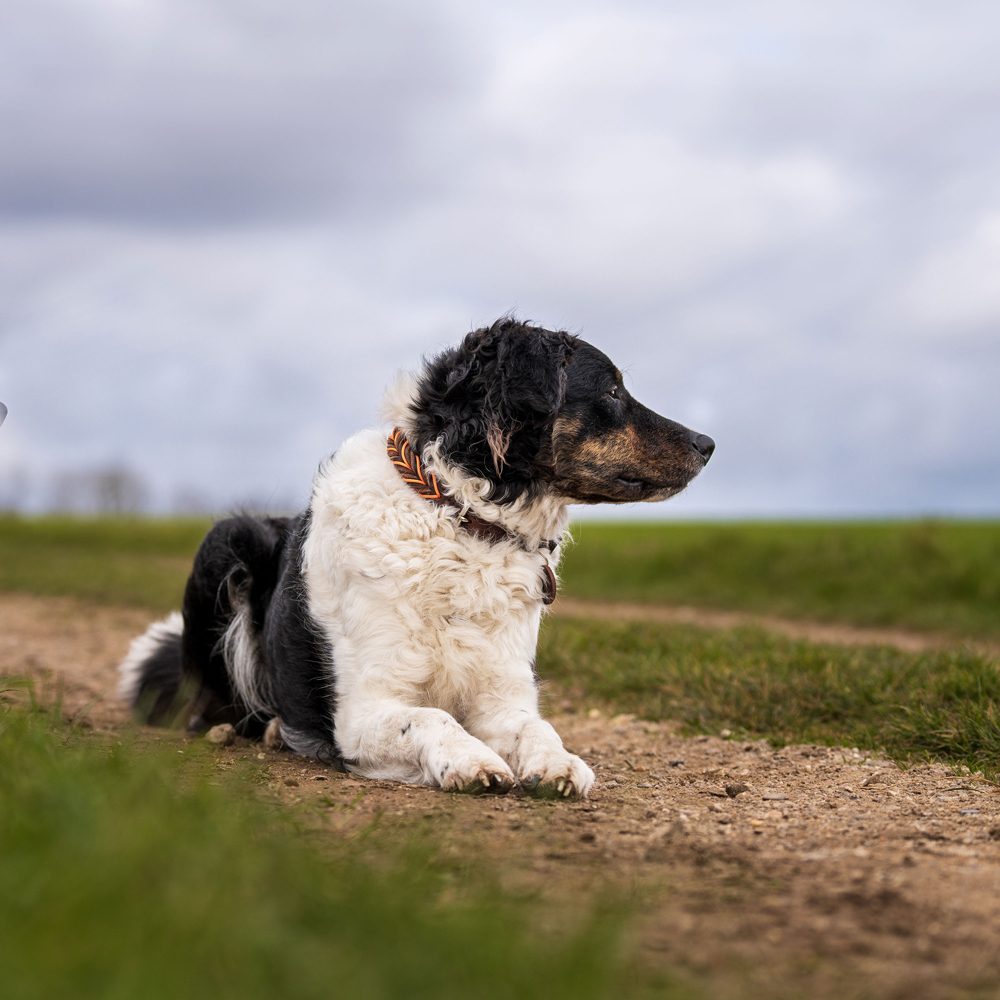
[424,483]
[408,465]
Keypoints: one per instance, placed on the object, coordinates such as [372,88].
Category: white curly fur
[433,629]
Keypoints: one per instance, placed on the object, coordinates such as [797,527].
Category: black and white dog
[391,629]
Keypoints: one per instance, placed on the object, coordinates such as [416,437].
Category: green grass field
[136,562]
[937,575]
[128,870]
[943,705]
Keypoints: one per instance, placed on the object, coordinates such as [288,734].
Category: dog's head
[533,410]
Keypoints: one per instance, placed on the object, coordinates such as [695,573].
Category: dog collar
[424,483]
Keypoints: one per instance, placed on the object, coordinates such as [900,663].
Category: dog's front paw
[475,774]
[557,776]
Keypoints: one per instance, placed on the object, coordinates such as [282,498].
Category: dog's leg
[396,742]
[514,729]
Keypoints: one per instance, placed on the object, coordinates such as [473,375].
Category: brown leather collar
[424,483]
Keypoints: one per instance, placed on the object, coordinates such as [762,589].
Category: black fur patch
[297,654]
[257,561]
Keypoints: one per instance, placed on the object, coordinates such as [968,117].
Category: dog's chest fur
[387,570]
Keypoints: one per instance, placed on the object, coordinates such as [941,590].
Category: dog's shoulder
[358,494]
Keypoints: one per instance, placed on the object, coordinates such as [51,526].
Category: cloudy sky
[225,224]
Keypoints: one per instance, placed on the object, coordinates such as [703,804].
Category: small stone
[291,782]
[774,796]
[262,756]
[726,733]
[676,763]
[733,790]
[588,838]
[594,713]
[968,812]
[222,735]
[995,833]
[319,777]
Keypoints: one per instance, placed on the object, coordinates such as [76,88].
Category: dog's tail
[152,672]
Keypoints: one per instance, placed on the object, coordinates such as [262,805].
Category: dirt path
[827,875]
[840,635]
[77,645]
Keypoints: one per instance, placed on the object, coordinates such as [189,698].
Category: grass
[128,870]
[933,575]
[943,704]
[138,562]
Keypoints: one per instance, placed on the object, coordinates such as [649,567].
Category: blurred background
[225,225]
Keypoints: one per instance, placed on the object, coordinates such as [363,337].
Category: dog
[390,630]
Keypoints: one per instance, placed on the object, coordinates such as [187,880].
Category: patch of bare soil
[837,634]
[70,648]
[802,871]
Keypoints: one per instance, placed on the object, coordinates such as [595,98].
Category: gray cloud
[218,111]
[223,227]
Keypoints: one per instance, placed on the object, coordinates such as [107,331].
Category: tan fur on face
[565,427]
[588,467]
[619,448]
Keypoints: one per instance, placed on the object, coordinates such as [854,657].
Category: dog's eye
[613,392]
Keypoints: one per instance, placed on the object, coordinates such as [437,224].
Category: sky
[226,224]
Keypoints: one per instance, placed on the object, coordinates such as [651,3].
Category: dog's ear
[519,371]
[489,400]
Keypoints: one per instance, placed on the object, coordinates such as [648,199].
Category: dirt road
[804,871]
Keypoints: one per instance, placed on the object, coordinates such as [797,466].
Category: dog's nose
[704,445]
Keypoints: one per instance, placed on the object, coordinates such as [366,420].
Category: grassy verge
[129,870]
[942,704]
[135,562]
[937,575]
